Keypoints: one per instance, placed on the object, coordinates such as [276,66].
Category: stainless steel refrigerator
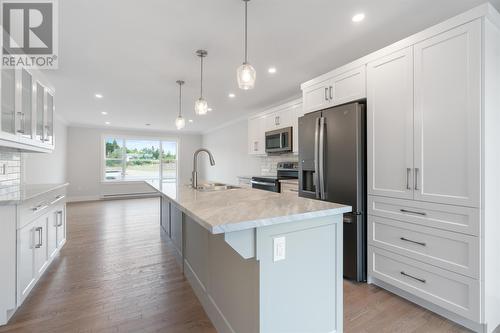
[332,155]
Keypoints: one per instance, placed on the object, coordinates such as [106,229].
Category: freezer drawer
[451,291]
[444,249]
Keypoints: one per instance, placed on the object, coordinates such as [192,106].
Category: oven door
[265,185]
[279,140]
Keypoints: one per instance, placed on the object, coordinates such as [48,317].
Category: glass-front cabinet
[27,111]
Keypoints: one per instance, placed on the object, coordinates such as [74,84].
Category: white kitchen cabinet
[40,247]
[334,88]
[279,119]
[448,117]
[390,125]
[33,233]
[52,223]
[8,99]
[25,258]
[282,116]
[27,112]
[256,135]
[349,86]
[61,226]
[317,96]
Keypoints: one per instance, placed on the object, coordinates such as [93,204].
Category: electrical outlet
[279,245]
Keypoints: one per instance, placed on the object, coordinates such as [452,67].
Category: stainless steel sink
[209,187]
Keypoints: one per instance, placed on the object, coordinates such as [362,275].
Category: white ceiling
[133,52]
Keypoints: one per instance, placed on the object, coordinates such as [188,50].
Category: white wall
[230,149]
[84,161]
[50,168]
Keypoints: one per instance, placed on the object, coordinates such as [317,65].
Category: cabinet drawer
[36,207]
[445,249]
[453,218]
[448,290]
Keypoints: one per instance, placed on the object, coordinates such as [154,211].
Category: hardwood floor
[117,274]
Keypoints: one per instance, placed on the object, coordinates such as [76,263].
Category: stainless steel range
[286,170]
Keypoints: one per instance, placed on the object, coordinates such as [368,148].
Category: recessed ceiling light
[107,123]
[271,70]
[358,17]
[104,113]
[99,96]
[191,120]
[231,95]
[210,109]
[147,124]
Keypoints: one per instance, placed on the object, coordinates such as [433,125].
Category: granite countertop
[28,191]
[245,208]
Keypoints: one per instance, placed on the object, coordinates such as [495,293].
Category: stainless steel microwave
[279,141]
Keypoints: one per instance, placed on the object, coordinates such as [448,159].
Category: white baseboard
[213,311]
[476,327]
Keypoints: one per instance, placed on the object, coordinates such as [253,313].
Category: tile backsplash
[268,164]
[10,173]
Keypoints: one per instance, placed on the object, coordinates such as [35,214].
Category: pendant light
[246,73]
[180,122]
[201,105]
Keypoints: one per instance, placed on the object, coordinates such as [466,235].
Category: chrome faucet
[194,179]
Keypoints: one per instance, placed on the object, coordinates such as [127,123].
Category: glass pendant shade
[201,106]
[180,122]
[246,76]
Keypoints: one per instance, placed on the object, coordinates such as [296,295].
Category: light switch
[279,245]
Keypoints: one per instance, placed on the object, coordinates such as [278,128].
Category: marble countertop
[245,208]
[27,191]
[290,181]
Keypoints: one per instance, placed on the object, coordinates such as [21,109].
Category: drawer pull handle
[412,241]
[39,208]
[412,277]
[412,212]
[39,231]
[59,197]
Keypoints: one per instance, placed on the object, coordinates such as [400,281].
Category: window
[140,159]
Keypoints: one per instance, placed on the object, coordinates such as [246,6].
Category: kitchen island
[259,261]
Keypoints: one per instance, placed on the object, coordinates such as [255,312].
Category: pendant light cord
[180,99]
[201,78]
[246,29]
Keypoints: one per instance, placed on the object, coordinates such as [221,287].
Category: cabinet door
[447,117]
[279,119]
[176,227]
[317,97]
[61,226]
[256,136]
[25,113]
[165,215]
[40,112]
[25,261]
[52,222]
[40,252]
[390,125]
[8,100]
[349,86]
[49,118]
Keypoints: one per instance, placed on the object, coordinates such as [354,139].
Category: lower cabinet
[37,244]
[25,268]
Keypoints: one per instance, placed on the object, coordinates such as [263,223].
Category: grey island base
[259,261]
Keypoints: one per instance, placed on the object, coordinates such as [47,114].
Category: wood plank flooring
[118,274]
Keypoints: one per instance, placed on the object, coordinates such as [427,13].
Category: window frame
[123,137]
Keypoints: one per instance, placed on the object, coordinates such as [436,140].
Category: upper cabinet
[27,112]
[448,117]
[334,89]
[282,116]
[390,125]
[424,120]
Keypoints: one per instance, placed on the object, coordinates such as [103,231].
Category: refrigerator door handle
[316,158]
[322,157]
